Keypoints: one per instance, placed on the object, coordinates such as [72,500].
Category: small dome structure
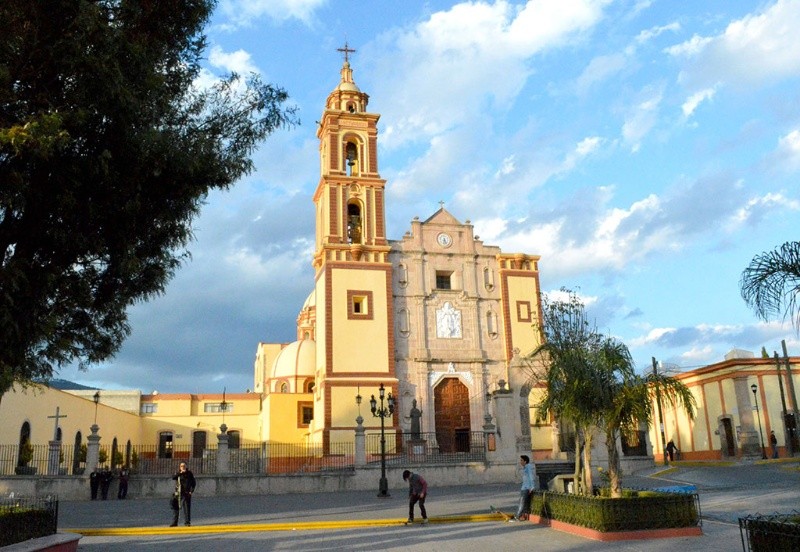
[297,360]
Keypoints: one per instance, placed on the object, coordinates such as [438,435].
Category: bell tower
[350,194]
[355,351]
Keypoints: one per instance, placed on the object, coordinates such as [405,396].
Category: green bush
[639,510]
[21,524]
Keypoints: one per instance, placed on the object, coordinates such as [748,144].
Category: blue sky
[647,150]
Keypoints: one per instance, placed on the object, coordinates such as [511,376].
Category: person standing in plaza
[94,482]
[528,477]
[184,487]
[417,492]
[106,477]
[122,492]
[773,442]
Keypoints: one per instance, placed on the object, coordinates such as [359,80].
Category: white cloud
[247,12]
[583,149]
[478,52]
[641,119]
[760,47]
[760,207]
[789,150]
[695,100]
[240,61]
[653,32]
[600,69]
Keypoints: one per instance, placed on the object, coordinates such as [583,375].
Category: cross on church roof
[346,51]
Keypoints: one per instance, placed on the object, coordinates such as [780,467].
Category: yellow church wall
[360,345]
[283,414]
[713,410]
[701,437]
[523,311]
[35,404]
[344,409]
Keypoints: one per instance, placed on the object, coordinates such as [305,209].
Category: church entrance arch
[451,411]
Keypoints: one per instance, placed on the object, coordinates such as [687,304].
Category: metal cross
[55,429]
[346,51]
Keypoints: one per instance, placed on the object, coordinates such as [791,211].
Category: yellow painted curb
[280,526]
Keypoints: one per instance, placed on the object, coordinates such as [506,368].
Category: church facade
[435,316]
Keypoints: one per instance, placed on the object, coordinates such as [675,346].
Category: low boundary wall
[445,475]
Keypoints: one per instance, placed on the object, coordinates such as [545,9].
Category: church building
[435,316]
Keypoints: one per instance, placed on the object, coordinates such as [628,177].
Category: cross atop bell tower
[346,51]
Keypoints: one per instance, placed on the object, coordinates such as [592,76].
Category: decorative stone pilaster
[52,457]
[223,453]
[93,449]
[507,417]
[489,437]
[360,444]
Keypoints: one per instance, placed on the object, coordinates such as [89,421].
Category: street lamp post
[382,413]
[96,399]
[754,389]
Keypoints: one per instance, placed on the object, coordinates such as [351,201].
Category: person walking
[417,492]
[528,477]
[671,450]
[184,487]
[773,442]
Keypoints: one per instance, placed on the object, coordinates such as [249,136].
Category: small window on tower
[358,305]
[443,280]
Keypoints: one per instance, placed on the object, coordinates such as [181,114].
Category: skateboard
[504,515]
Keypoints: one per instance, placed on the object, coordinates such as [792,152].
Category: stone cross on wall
[57,417]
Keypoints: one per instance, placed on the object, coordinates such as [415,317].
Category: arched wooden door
[451,409]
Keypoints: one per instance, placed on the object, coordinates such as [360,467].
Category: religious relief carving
[434,376]
[448,322]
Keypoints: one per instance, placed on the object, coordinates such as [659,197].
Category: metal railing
[260,458]
[289,458]
[10,463]
[25,518]
[772,533]
[428,448]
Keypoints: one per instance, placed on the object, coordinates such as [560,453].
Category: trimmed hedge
[637,511]
[20,522]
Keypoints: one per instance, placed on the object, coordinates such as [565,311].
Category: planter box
[25,470]
[643,512]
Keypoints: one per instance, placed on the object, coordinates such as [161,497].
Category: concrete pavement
[460,517]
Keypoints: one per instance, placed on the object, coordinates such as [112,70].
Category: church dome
[311,301]
[298,359]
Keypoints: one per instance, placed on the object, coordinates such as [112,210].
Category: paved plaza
[460,519]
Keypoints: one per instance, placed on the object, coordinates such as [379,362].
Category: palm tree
[569,346]
[770,285]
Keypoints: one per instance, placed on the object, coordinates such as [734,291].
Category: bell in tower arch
[351,155]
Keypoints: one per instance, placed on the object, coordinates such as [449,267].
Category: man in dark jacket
[184,487]
[106,477]
[94,482]
[417,491]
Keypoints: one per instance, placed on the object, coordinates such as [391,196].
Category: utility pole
[793,397]
[787,432]
[660,412]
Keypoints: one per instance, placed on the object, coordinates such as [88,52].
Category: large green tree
[107,151]
[770,285]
